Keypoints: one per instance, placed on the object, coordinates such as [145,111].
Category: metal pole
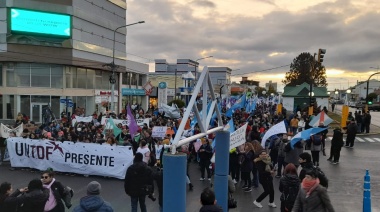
[175,84]
[113,66]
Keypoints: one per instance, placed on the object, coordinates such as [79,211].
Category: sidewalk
[374,129]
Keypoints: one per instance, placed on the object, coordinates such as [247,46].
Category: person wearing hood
[9,200]
[56,192]
[35,198]
[289,187]
[208,201]
[93,202]
[336,146]
[312,197]
[306,164]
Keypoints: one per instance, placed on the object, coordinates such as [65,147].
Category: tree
[372,97]
[301,70]
[272,90]
[259,91]
[178,102]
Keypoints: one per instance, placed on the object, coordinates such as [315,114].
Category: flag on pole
[274,130]
[111,129]
[320,118]
[238,105]
[133,127]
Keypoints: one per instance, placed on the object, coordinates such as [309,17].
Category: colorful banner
[80,158]
[237,138]
[322,117]
[5,131]
[124,122]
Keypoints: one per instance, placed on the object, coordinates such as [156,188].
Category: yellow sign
[345,110]
[311,111]
[279,108]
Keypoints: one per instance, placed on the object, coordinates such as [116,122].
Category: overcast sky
[255,35]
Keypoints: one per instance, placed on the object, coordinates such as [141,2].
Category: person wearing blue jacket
[93,201]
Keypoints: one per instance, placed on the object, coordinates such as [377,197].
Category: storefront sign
[132,92]
[162,94]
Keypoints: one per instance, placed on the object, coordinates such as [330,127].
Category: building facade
[56,53]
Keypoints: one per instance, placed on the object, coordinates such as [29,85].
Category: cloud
[247,41]
[204,3]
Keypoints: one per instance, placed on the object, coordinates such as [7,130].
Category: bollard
[222,155]
[367,192]
[174,199]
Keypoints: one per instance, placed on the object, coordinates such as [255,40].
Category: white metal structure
[205,84]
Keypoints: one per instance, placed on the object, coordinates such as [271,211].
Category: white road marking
[360,139]
[377,139]
[370,140]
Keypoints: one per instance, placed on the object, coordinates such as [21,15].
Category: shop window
[82,78]
[68,76]
[25,104]
[140,79]
[1,78]
[57,76]
[22,74]
[98,79]
[74,76]
[40,75]
[90,78]
[40,99]
[10,104]
[125,79]
[133,79]
[1,106]
[55,106]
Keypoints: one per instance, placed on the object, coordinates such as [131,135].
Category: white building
[360,90]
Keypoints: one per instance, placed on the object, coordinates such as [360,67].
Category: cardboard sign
[159,132]
[237,138]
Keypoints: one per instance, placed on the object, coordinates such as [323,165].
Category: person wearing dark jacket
[56,192]
[246,166]
[8,199]
[367,121]
[351,134]
[159,178]
[265,169]
[289,187]
[208,201]
[138,182]
[35,198]
[93,202]
[306,164]
[205,154]
[336,145]
[312,197]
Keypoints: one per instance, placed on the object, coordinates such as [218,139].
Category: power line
[269,69]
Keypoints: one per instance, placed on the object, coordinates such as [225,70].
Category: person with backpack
[312,197]
[289,187]
[316,147]
[306,164]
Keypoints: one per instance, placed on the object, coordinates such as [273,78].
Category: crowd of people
[250,163]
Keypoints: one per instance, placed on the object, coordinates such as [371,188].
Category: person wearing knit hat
[93,201]
[93,188]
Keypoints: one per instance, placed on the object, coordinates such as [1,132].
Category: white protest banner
[124,122]
[274,130]
[84,119]
[237,138]
[80,158]
[159,132]
[5,131]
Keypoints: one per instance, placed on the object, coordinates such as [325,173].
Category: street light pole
[366,96]
[195,65]
[112,79]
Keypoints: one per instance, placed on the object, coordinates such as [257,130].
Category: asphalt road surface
[345,190]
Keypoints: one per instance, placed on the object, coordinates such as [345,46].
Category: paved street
[346,182]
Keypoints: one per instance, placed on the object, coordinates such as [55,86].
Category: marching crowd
[250,163]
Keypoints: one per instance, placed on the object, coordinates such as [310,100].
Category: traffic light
[312,102]
[321,54]
[370,102]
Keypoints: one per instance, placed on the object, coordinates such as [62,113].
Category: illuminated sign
[42,23]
